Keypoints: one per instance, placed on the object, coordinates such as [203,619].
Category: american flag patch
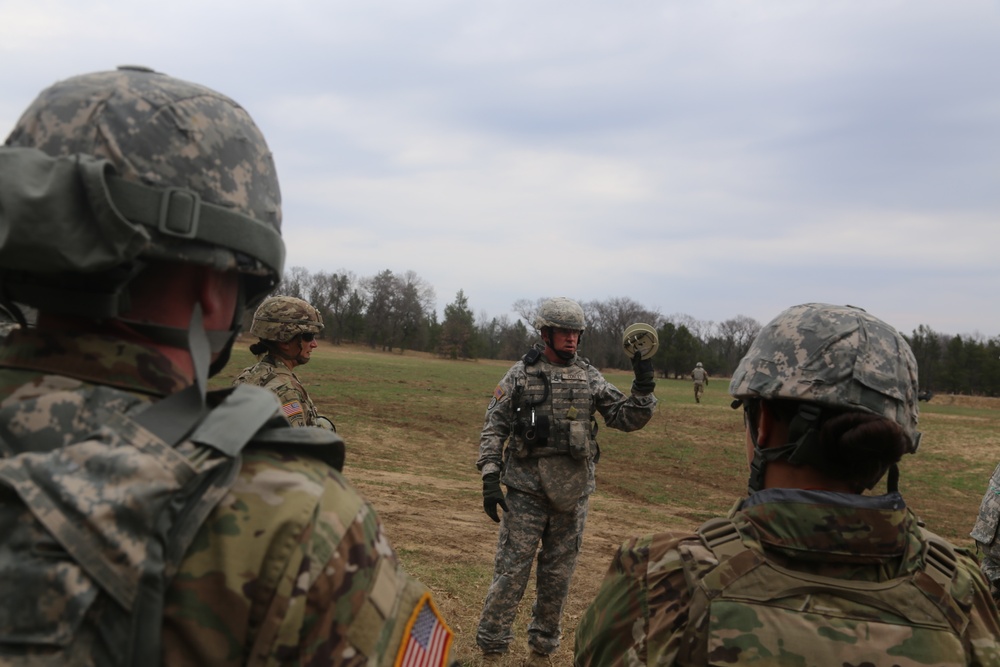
[498,392]
[291,409]
[427,637]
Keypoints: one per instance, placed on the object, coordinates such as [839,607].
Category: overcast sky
[705,157]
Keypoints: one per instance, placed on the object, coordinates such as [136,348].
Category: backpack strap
[226,429]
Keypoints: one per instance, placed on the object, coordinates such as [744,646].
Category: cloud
[706,157]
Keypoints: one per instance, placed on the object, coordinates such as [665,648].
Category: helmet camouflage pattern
[698,365]
[192,146]
[282,318]
[837,356]
[560,313]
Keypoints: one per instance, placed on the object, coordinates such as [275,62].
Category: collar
[99,359]
[830,526]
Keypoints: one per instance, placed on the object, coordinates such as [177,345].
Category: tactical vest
[92,532]
[553,413]
[749,611]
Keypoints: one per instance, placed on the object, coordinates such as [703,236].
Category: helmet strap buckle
[180,213]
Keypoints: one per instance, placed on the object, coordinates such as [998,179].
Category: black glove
[643,369]
[493,496]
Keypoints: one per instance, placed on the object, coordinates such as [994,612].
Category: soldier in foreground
[806,570]
[700,378]
[543,409]
[286,330]
[143,520]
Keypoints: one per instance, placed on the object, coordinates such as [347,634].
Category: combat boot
[537,659]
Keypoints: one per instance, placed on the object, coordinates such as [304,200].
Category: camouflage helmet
[698,365]
[836,356]
[282,318]
[560,313]
[179,171]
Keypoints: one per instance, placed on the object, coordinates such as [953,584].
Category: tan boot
[537,659]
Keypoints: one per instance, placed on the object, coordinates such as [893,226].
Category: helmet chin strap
[803,448]
[219,343]
[174,417]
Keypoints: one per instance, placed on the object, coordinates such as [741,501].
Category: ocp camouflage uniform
[549,483]
[290,568]
[271,374]
[985,533]
[646,611]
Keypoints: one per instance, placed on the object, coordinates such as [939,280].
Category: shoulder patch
[427,638]
[498,395]
[291,409]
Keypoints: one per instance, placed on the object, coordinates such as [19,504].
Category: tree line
[397,311]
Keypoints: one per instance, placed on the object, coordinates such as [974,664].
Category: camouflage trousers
[531,520]
[699,389]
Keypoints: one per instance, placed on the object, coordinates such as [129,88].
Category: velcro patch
[292,409]
[427,637]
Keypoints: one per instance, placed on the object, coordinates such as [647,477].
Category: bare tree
[735,336]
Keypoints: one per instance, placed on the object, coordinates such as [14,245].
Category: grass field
[412,421]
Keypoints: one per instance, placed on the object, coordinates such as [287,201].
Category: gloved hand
[493,495]
[643,369]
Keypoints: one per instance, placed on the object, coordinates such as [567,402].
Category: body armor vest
[747,610]
[553,413]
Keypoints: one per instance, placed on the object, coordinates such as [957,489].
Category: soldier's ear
[766,423]
[218,292]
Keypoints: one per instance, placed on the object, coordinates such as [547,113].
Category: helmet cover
[282,318]
[560,313]
[836,356]
[162,132]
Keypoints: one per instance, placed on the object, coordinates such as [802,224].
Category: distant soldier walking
[286,329]
[700,377]
[543,409]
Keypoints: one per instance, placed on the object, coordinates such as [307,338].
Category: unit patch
[497,395]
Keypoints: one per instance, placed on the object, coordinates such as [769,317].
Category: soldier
[544,410]
[985,534]
[805,570]
[141,216]
[700,377]
[286,329]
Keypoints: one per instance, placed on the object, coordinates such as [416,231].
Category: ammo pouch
[579,439]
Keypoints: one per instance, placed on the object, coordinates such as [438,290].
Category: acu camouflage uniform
[548,486]
[700,377]
[290,568]
[275,376]
[985,533]
[646,611]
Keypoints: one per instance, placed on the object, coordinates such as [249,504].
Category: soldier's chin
[302,360]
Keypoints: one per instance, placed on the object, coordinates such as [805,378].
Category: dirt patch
[409,504]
